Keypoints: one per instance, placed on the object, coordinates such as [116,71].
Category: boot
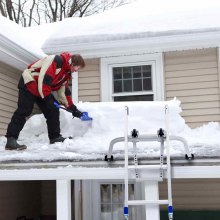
[58,139]
[13,145]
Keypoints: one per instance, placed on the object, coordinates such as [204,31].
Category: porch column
[152,193]
[63,193]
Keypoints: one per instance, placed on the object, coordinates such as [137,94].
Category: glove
[49,101]
[75,112]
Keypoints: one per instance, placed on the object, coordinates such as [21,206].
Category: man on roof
[36,85]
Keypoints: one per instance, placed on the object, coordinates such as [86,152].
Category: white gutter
[153,44]
[82,173]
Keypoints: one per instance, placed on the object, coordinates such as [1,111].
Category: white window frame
[155,60]
[91,198]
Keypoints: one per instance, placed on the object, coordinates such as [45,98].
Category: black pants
[25,106]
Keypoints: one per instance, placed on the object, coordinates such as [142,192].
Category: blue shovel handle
[84,117]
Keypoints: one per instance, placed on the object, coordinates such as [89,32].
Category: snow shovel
[84,117]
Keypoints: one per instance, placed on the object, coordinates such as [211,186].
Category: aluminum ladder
[161,136]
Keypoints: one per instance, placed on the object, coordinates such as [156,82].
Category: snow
[143,16]
[16,34]
[151,18]
[91,139]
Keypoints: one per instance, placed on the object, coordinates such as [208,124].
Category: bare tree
[32,12]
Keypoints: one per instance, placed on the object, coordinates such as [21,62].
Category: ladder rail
[169,184]
[126,164]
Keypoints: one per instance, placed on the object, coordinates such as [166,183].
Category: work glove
[49,101]
[75,112]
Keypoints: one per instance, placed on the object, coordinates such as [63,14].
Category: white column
[63,188]
[152,193]
[75,89]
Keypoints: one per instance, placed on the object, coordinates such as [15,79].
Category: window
[104,200]
[112,202]
[132,78]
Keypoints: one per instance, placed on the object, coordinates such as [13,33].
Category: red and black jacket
[51,73]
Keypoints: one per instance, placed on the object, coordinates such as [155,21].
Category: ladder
[162,137]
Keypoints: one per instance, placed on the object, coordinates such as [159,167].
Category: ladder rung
[145,202]
[150,167]
[140,179]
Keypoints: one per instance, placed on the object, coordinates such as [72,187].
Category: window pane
[117,193]
[118,86]
[118,212]
[106,212]
[147,84]
[127,73]
[131,191]
[147,71]
[127,85]
[117,73]
[105,193]
[137,72]
[134,98]
[131,213]
[137,84]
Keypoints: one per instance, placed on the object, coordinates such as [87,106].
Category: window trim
[156,60]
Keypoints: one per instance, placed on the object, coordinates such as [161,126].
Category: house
[174,50]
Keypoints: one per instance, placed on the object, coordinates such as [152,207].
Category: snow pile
[91,139]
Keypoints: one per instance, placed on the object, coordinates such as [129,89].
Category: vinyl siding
[193,194]
[9,78]
[89,82]
[8,94]
[192,76]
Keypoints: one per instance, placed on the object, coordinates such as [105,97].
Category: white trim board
[77,173]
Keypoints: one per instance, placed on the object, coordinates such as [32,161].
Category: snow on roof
[91,139]
[143,16]
[16,34]
[140,19]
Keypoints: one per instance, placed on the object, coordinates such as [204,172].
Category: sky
[91,139]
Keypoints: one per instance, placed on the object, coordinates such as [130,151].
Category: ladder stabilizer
[147,202]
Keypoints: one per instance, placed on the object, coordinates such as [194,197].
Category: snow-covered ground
[91,138]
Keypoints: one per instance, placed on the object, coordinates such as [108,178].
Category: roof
[149,26]
[143,26]
[91,139]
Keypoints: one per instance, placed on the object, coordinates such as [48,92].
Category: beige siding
[9,78]
[194,194]
[89,82]
[8,94]
[192,76]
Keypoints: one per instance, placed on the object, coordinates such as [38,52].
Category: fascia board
[14,55]
[178,172]
[137,46]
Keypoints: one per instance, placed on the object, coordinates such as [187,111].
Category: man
[51,73]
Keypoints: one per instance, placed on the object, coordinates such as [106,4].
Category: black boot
[58,139]
[13,145]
